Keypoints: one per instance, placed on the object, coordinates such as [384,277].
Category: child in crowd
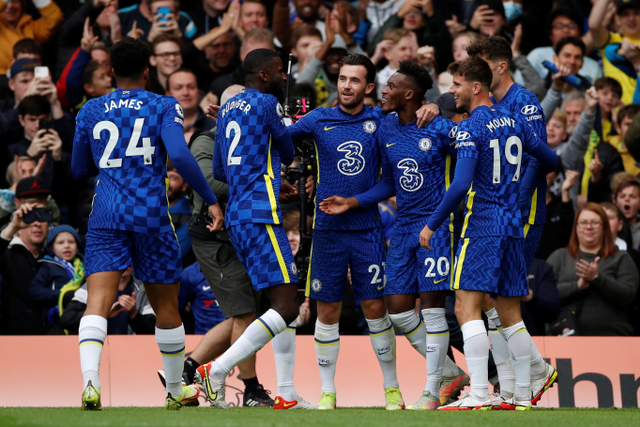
[459,46]
[624,119]
[627,199]
[61,274]
[305,41]
[397,45]
[609,94]
[557,129]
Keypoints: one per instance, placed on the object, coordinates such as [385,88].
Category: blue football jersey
[124,130]
[348,161]
[251,163]
[498,141]
[421,164]
[523,103]
[195,289]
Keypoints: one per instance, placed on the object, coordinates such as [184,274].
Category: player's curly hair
[494,48]
[418,75]
[257,60]
[130,57]
[473,69]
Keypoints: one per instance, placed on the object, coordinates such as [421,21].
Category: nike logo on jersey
[389,145]
[438,281]
[329,128]
[381,287]
[206,288]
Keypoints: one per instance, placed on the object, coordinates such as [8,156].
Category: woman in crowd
[596,281]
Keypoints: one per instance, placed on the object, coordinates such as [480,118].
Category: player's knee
[329,312]
[374,308]
[288,311]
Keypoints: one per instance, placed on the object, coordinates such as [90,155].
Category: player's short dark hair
[363,60]
[494,48]
[257,60]
[567,13]
[418,75]
[87,76]
[31,46]
[575,41]
[130,57]
[628,111]
[473,69]
[34,105]
[609,82]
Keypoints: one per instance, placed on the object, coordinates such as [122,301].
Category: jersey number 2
[514,160]
[235,127]
[146,151]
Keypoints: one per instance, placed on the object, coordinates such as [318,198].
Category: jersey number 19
[514,160]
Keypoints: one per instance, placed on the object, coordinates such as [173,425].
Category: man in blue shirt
[128,135]
[496,51]
[490,146]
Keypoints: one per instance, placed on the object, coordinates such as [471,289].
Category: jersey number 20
[514,160]
[146,151]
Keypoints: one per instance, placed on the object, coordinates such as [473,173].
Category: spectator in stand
[624,118]
[258,38]
[253,14]
[183,85]
[305,42]
[609,94]
[570,52]
[131,312]
[179,208]
[208,15]
[307,12]
[562,23]
[165,59]
[421,18]
[459,47]
[25,48]
[559,214]
[627,199]
[627,15]
[397,44]
[102,16]
[542,305]
[197,296]
[21,245]
[145,20]
[61,274]
[596,281]
[20,76]
[377,13]
[16,24]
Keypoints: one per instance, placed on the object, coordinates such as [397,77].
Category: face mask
[512,10]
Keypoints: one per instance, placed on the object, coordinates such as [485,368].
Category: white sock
[437,347]
[519,342]
[538,364]
[327,341]
[500,351]
[476,351]
[171,345]
[412,328]
[91,335]
[257,334]
[383,340]
[284,352]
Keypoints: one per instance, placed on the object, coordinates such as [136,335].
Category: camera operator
[22,244]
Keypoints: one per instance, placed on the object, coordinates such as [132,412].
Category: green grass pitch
[254,417]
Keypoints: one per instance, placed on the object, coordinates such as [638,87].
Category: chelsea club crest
[316,285]
[369,126]
[425,144]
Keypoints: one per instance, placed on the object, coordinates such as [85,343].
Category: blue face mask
[512,10]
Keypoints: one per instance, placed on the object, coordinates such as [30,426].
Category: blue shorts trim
[333,252]
[265,253]
[155,258]
[491,264]
[412,269]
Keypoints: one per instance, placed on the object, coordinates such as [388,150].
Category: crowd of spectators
[54,56]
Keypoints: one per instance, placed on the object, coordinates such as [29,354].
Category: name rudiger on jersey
[239,104]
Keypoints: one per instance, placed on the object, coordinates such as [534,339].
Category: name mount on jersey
[502,121]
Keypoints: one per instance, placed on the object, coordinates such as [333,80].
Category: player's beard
[355,100]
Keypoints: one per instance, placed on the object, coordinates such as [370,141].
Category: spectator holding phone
[22,244]
[151,18]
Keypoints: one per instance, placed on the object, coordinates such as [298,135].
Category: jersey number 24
[146,151]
